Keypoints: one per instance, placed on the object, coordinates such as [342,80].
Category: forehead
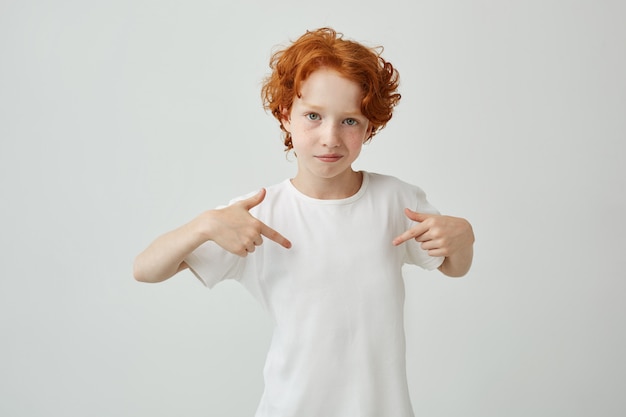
[328,88]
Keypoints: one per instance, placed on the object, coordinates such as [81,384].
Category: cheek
[359,138]
[355,144]
[299,139]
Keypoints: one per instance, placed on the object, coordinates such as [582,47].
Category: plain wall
[121,120]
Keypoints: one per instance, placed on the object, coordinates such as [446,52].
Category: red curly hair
[326,48]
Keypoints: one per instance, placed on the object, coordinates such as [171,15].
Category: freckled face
[327,127]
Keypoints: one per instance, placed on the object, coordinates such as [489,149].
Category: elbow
[144,270]
[139,273]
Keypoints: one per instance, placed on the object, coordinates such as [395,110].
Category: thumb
[255,200]
[415,216]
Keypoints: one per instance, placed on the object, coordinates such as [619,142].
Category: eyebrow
[316,109]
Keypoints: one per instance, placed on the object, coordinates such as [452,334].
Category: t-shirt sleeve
[212,264]
[417,256]
[414,253]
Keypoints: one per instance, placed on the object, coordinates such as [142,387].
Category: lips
[329,157]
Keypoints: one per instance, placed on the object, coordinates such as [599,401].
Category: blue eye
[313,116]
[351,122]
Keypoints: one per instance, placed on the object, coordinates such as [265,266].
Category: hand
[237,231]
[439,235]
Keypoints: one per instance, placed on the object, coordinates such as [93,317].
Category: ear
[368,133]
[285,119]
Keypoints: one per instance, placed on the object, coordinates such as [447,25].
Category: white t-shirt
[336,298]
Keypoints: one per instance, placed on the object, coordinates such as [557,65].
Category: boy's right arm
[165,256]
[233,228]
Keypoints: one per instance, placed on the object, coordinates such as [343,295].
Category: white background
[121,120]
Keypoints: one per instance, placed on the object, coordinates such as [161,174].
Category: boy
[331,277]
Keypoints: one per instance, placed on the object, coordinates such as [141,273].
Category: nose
[330,136]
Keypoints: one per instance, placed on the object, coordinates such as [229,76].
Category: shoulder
[392,184]
[398,191]
[271,192]
[276,196]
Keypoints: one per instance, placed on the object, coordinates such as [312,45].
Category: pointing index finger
[272,234]
[402,238]
[413,233]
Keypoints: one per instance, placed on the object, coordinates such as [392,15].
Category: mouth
[329,157]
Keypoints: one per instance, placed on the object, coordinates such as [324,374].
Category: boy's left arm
[447,236]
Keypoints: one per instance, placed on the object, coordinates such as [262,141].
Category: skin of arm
[459,263]
[232,227]
[165,256]
[447,236]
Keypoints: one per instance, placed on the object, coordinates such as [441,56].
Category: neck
[330,188]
